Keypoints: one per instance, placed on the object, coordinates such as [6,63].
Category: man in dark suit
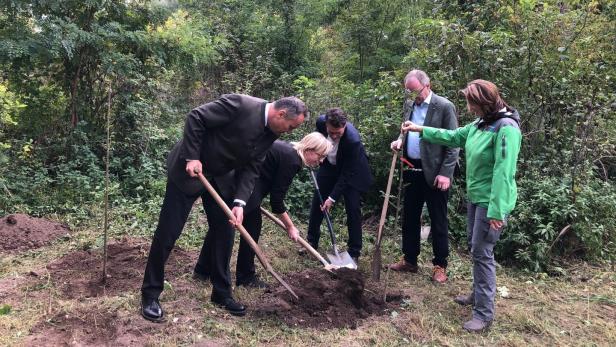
[225,140]
[344,173]
[428,177]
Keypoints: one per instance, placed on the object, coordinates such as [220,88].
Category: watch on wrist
[238,204]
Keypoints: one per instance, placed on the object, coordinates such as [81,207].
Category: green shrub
[547,206]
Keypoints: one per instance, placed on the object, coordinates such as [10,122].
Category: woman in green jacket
[491,144]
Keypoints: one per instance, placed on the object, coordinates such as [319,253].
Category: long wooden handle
[301,241]
[390,179]
[245,234]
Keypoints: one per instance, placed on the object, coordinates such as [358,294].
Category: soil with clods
[80,274]
[340,299]
[20,232]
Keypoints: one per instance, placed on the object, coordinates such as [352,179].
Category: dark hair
[294,107]
[485,95]
[335,117]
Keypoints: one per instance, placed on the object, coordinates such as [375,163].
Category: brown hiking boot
[465,300]
[403,266]
[476,325]
[438,274]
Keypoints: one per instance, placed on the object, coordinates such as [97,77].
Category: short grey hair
[420,75]
[294,107]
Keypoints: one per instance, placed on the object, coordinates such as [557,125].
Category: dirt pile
[326,300]
[20,232]
[79,274]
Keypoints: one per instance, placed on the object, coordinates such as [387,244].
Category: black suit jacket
[230,139]
[276,174]
[352,168]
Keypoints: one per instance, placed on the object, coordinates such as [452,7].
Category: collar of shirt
[267,107]
[426,101]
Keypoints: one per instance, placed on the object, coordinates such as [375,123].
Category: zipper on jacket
[503,146]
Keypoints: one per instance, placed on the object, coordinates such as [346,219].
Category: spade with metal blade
[255,247]
[340,259]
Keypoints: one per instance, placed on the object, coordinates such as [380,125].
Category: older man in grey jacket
[427,177]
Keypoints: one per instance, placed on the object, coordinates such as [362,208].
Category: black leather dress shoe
[151,310]
[200,277]
[229,304]
[255,282]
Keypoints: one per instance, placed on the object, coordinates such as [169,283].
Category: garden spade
[301,241]
[339,259]
[376,256]
[245,234]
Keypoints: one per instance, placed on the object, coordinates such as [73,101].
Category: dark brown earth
[20,232]
[326,300]
[79,274]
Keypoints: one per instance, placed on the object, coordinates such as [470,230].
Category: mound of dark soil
[20,232]
[79,274]
[326,300]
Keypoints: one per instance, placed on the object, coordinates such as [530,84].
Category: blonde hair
[315,142]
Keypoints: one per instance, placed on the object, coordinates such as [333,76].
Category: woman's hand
[496,224]
[293,233]
[410,126]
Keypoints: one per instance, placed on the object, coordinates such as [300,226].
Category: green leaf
[5,309]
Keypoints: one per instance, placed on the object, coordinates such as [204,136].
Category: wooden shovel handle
[301,241]
[255,247]
[390,179]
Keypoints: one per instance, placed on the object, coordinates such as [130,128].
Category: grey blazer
[437,159]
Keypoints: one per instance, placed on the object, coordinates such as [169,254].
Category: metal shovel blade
[342,260]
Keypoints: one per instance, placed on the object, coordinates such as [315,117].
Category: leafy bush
[553,219]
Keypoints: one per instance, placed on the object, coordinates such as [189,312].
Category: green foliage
[558,220]
[9,114]
[63,61]
[5,309]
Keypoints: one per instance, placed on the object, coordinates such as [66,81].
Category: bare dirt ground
[20,232]
[76,301]
[326,300]
[55,296]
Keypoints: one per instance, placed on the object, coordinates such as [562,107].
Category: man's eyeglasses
[413,94]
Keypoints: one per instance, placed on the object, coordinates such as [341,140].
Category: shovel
[245,234]
[301,241]
[376,256]
[338,259]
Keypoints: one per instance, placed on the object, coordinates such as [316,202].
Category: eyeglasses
[321,156]
[413,94]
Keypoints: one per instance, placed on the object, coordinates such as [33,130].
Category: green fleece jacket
[491,155]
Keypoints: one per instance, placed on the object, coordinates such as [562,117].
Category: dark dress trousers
[280,166]
[230,139]
[419,186]
[348,178]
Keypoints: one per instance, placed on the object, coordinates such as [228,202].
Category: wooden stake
[106,222]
